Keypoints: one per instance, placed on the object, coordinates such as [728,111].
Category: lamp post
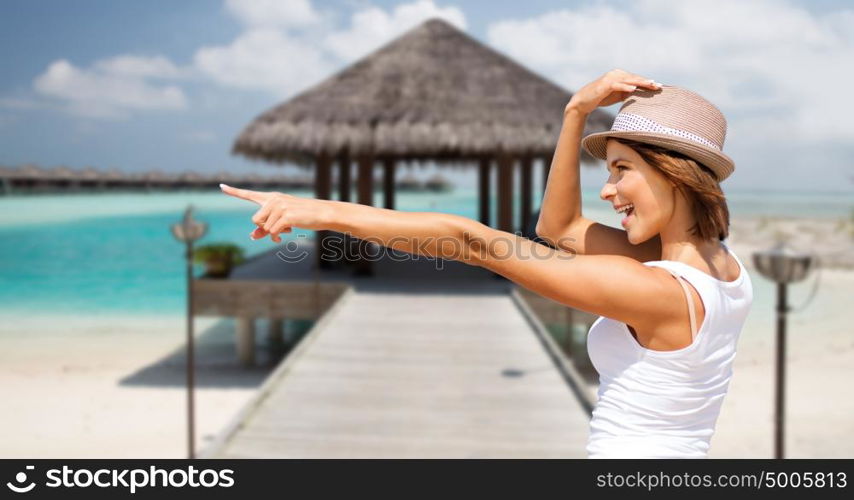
[782,265]
[188,231]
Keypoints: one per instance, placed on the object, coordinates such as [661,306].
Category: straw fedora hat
[674,118]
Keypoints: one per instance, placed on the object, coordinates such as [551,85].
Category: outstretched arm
[423,233]
[609,285]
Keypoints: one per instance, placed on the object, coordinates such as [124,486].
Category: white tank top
[664,404]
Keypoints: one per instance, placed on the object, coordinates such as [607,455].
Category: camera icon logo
[21,478]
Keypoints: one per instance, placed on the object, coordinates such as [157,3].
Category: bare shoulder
[668,327]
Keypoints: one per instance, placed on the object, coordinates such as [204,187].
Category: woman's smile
[627,209]
[629,213]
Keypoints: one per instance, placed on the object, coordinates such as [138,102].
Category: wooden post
[274,333]
[526,186]
[246,340]
[344,184]
[483,189]
[780,374]
[365,197]
[345,187]
[322,191]
[388,183]
[505,192]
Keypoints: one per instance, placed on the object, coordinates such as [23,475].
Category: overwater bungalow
[89,177]
[408,183]
[189,180]
[154,179]
[31,178]
[438,183]
[115,178]
[64,177]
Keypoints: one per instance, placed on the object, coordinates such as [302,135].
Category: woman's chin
[635,237]
[631,235]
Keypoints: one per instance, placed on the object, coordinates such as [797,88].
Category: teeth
[625,208]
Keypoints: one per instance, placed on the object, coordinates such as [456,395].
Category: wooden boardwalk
[416,375]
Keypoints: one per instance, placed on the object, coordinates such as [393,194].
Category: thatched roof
[190,176]
[408,179]
[89,173]
[113,174]
[155,176]
[226,177]
[62,172]
[434,93]
[32,171]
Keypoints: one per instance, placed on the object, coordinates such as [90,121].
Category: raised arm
[561,222]
[561,204]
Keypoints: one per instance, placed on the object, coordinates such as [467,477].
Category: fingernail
[252,237]
[222,186]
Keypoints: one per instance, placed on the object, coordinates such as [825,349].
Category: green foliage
[219,251]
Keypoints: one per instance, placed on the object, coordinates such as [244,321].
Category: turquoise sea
[114,253]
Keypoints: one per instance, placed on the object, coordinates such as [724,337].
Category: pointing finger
[280,224]
[245,194]
[258,233]
[261,215]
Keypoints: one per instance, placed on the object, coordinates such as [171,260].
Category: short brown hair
[696,182]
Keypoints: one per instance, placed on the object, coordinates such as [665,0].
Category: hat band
[629,122]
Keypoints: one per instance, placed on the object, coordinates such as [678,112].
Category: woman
[662,378]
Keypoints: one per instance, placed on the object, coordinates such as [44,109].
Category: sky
[140,85]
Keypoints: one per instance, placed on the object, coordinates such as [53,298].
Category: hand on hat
[280,212]
[610,88]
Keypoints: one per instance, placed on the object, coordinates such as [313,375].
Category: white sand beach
[819,407]
[114,387]
[830,239]
[819,416]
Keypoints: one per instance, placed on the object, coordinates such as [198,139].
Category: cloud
[111,88]
[769,65]
[372,26]
[264,59]
[288,46]
[273,13]
[140,67]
